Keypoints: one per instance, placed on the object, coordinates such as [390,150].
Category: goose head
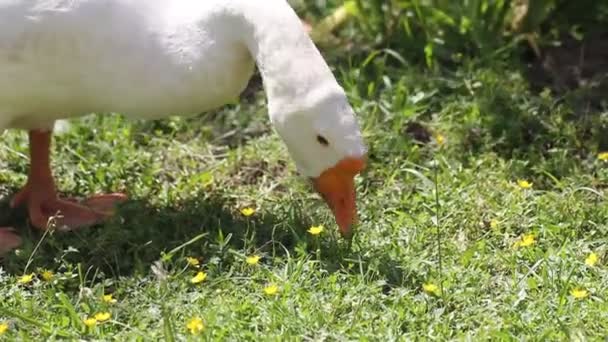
[326,145]
[306,105]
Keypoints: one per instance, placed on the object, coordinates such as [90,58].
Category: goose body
[154,58]
[145,59]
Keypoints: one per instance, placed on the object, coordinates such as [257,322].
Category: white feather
[155,58]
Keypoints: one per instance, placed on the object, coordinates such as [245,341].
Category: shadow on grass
[575,74]
[134,239]
[547,131]
[138,236]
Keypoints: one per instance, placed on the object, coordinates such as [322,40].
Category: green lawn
[452,243]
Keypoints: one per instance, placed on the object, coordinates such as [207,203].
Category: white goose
[154,58]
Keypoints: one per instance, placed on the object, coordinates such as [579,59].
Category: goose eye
[321,139]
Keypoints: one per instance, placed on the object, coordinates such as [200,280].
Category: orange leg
[40,194]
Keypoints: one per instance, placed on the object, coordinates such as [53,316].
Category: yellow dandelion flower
[199,278]
[603,156]
[193,261]
[102,316]
[26,278]
[524,184]
[47,275]
[316,230]
[526,240]
[195,325]
[591,259]
[271,290]
[90,322]
[440,139]
[431,288]
[579,293]
[108,299]
[253,260]
[493,223]
[247,211]
[3,328]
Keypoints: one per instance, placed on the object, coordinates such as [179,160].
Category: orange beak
[337,187]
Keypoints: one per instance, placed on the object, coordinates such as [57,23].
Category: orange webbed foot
[47,210]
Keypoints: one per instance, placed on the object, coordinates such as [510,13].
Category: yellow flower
[526,240]
[440,139]
[603,156]
[108,299]
[431,288]
[271,290]
[90,322]
[579,293]
[524,184]
[26,278]
[47,275]
[493,223]
[192,261]
[199,278]
[316,230]
[195,325]
[253,260]
[247,211]
[3,328]
[102,316]
[592,259]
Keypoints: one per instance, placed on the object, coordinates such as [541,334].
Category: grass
[440,206]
